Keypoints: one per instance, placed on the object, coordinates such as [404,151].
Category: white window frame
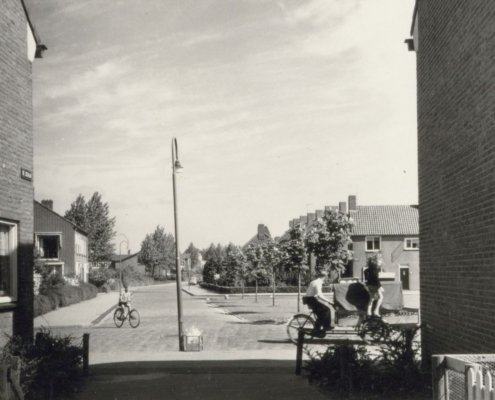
[372,238]
[411,248]
[13,246]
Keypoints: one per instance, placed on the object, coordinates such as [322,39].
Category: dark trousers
[325,313]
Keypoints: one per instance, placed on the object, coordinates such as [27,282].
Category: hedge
[252,289]
[62,296]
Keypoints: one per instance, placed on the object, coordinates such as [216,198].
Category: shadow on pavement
[219,380]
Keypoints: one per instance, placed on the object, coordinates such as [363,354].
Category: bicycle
[120,315]
[369,329]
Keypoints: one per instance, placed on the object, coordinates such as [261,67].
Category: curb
[102,316]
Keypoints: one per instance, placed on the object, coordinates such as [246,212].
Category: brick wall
[456,145]
[16,152]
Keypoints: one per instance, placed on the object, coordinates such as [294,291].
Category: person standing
[374,286]
[321,306]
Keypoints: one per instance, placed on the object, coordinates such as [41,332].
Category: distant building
[262,236]
[128,261]
[19,46]
[60,244]
[392,231]
[455,48]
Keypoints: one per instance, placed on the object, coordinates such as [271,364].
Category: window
[373,243]
[411,244]
[48,245]
[8,261]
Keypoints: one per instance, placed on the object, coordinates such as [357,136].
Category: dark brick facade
[16,152]
[456,145]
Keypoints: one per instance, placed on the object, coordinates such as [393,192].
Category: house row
[391,230]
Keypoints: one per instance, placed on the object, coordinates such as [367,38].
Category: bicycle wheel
[134,318]
[374,330]
[299,321]
[118,317]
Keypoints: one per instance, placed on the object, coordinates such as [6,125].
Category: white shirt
[314,288]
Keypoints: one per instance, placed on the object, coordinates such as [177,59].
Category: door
[404,277]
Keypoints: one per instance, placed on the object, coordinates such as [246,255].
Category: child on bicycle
[125,300]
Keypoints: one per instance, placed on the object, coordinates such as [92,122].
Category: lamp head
[178,167]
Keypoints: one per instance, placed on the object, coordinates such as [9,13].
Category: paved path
[240,360]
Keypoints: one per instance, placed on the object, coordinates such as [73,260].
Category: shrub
[391,368]
[42,305]
[62,295]
[51,366]
[100,276]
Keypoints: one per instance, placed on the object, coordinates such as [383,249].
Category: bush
[52,364]
[100,276]
[251,289]
[390,369]
[62,295]
[42,305]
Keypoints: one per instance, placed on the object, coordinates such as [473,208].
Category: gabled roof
[76,227]
[40,47]
[385,220]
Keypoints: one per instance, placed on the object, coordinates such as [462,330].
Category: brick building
[455,48]
[61,245]
[19,45]
[392,231]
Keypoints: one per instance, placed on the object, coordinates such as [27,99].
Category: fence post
[470,369]
[86,354]
[300,341]
[438,377]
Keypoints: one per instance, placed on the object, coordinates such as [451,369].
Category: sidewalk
[199,380]
[83,314]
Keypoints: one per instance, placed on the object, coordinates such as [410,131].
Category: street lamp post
[120,259]
[177,168]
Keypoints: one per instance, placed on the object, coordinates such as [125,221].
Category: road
[158,332]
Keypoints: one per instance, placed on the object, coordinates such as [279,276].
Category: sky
[279,107]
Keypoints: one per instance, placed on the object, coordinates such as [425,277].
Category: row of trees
[328,240]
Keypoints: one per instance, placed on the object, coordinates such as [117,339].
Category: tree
[329,239]
[294,255]
[233,265]
[213,257]
[94,218]
[271,260]
[256,264]
[157,252]
[194,255]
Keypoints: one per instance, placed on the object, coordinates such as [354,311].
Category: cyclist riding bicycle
[321,306]
[125,300]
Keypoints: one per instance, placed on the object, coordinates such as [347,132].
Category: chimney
[352,203]
[343,207]
[261,231]
[47,204]
[303,219]
[128,252]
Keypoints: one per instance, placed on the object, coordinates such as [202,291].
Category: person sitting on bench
[320,305]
